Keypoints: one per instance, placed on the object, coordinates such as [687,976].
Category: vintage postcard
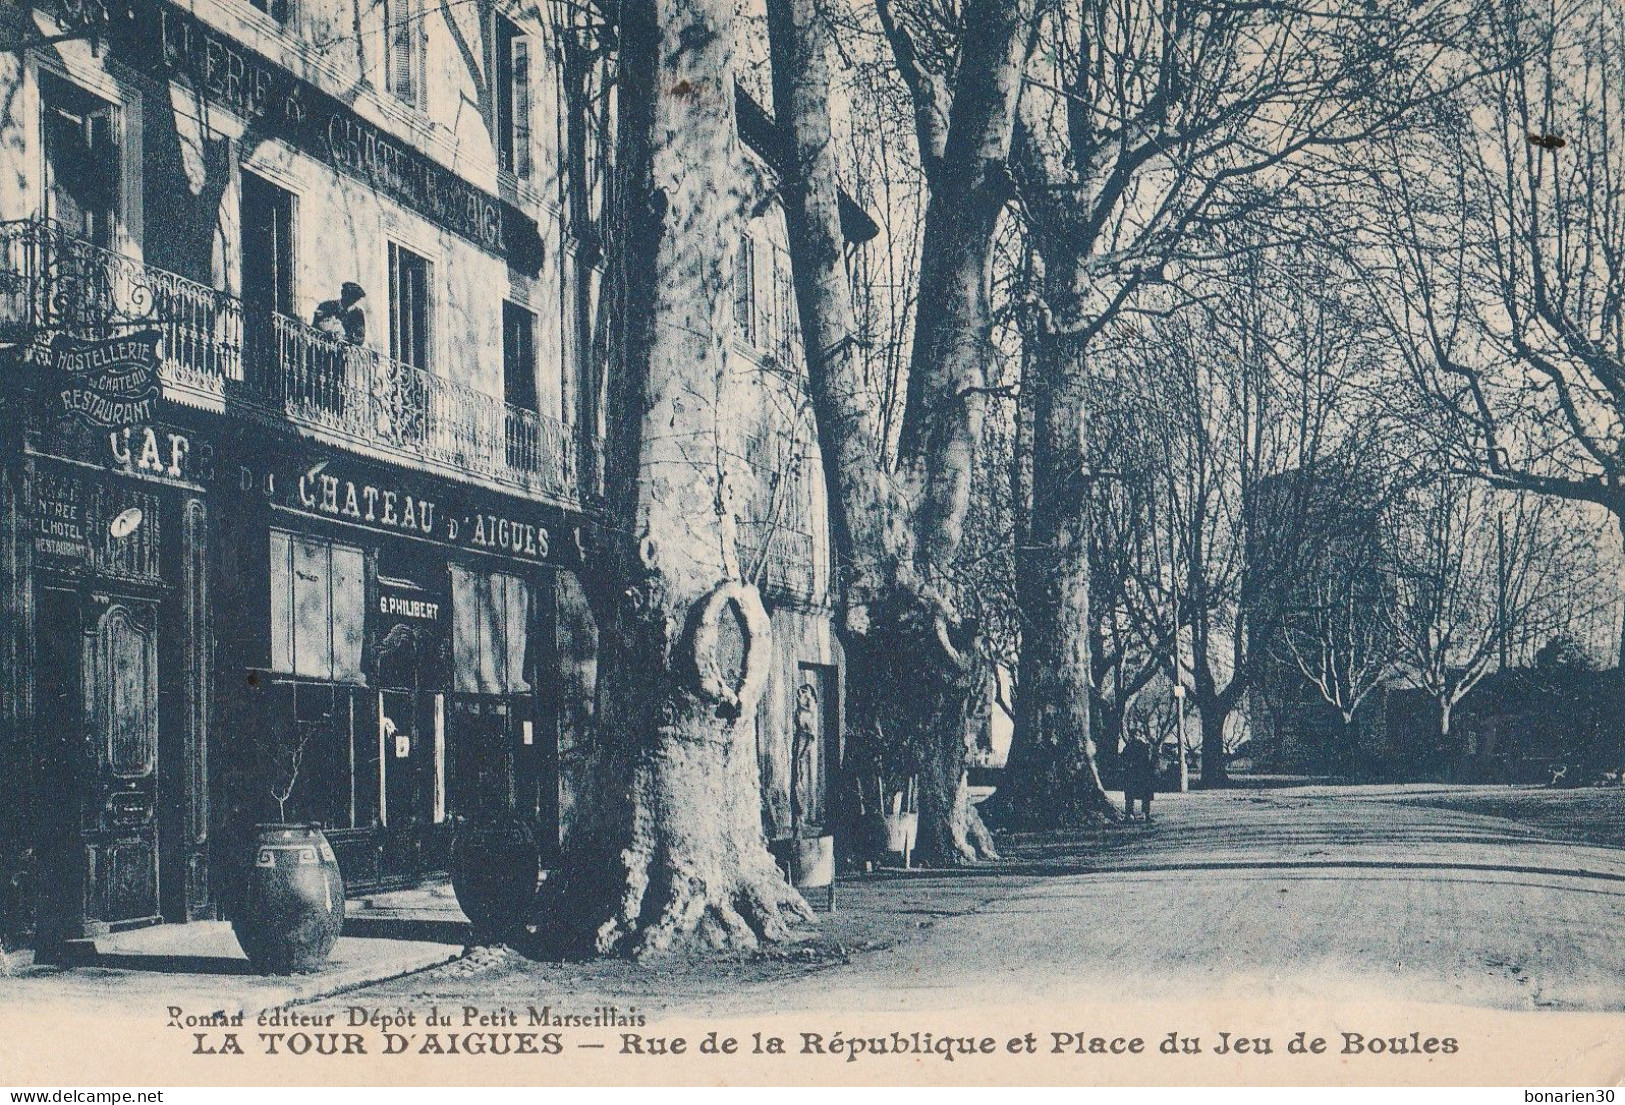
[812,542]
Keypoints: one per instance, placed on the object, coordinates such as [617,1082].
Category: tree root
[978,835]
[967,843]
[1024,806]
[757,908]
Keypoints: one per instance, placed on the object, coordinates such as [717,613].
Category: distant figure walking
[1139,777]
[343,317]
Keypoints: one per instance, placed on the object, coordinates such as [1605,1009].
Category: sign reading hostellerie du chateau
[108,381]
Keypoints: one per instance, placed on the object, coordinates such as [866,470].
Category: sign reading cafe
[108,382]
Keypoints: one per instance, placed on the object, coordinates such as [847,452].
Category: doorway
[815,738]
[268,254]
[82,161]
[96,717]
[268,261]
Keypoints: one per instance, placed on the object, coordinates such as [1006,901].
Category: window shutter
[349,612]
[465,630]
[493,655]
[312,610]
[281,602]
[402,38]
[521,106]
[745,291]
[517,632]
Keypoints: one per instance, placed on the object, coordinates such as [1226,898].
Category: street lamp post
[1179,728]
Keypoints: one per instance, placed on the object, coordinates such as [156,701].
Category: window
[268,258]
[82,161]
[745,290]
[512,98]
[783,294]
[522,434]
[276,9]
[403,50]
[490,618]
[519,357]
[318,608]
[408,307]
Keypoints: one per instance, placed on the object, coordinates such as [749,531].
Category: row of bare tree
[1296,329]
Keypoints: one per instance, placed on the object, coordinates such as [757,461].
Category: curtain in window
[521,106]
[490,619]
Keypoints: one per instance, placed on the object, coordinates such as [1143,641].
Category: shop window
[512,98]
[409,307]
[403,50]
[489,632]
[82,160]
[318,608]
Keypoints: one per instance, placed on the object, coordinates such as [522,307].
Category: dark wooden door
[80,136]
[121,700]
[267,277]
[97,716]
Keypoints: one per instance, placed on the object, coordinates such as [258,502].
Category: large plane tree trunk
[1052,778]
[676,855]
[910,658]
[1215,769]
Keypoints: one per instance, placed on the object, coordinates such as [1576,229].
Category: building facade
[299,464]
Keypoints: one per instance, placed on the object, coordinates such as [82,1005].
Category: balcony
[278,370]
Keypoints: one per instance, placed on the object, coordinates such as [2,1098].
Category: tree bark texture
[1618,510]
[868,521]
[1215,772]
[679,857]
[899,528]
[1052,778]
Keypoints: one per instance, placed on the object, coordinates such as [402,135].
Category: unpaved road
[1278,895]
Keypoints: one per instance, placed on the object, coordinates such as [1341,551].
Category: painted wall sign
[393,604]
[160,452]
[62,518]
[164,39]
[383,501]
[108,381]
[87,522]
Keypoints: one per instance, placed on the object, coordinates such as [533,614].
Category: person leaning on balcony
[343,317]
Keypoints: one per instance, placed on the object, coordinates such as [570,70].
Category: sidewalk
[200,967]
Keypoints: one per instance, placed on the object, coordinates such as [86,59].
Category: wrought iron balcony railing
[267,366]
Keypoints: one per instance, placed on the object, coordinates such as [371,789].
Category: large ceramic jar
[291,910]
[812,869]
[495,872]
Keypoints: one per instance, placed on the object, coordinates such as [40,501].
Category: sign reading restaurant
[108,382]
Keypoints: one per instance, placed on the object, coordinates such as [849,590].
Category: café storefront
[107,665]
[389,659]
[210,623]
